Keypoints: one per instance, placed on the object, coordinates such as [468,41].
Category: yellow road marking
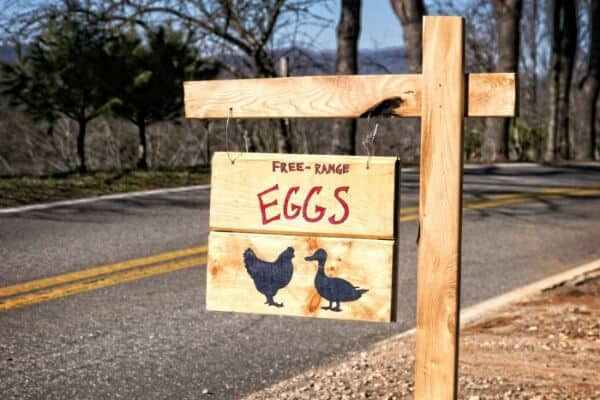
[97,271]
[109,280]
[504,200]
[112,274]
[500,200]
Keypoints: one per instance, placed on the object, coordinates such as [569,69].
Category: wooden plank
[440,208]
[364,263]
[337,96]
[492,95]
[296,97]
[277,193]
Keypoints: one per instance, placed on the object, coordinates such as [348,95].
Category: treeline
[81,67]
[554,45]
[96,84]
[97,63]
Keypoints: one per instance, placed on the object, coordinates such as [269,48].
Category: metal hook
[227,134]
[369,140]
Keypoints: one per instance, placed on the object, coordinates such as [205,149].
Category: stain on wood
[339,96]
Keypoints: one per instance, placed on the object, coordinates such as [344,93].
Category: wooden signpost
[441,96]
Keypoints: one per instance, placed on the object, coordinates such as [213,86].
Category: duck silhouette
[335,290]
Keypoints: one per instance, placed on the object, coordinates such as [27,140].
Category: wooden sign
[302,235]
[442,95]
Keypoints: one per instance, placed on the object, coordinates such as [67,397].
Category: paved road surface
[150,338]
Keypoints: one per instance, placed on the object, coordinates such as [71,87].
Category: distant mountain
[7,54]
[378,61]
[370,61]
[309,62]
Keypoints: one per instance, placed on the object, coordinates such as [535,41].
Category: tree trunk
[209,126]
[564,44]
[508,17]
[534,55]
[81,145]
[143,160]
[344,130]
[410,13]
[284,137]
[584,138]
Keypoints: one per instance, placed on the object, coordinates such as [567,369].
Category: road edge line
[115,196]
[483,309]
[472,313]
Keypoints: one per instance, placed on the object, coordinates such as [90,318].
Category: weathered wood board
[269,212]
[303,194]
[366,264]
[338,96]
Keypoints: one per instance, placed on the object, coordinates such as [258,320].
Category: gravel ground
[545,347]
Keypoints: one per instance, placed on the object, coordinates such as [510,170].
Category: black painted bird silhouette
[269,277]
[335,290]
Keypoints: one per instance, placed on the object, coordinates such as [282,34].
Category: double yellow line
[40,290]
[27,293]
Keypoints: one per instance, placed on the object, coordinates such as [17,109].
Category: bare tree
[584,138]
[564,44]
[238,36]
[410,13]
[284,137]
[344,130]
[508,17]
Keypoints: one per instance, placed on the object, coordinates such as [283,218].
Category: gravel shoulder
[544,347]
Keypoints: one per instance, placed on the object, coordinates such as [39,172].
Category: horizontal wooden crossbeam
[340,96]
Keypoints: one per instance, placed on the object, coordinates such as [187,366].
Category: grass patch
[31,190]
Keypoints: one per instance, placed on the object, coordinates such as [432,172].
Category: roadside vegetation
[96,85]
[18,191]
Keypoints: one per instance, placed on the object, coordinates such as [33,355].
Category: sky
[380,26]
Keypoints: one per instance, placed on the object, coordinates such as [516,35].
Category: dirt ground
[544,347]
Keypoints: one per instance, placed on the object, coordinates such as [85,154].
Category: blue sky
[380,26]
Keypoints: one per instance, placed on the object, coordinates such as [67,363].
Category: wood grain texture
[311,96]
[369,195]
[492,95]
[337,96]
[440,208]
[363,262]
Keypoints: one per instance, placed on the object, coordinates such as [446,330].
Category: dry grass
[31,190]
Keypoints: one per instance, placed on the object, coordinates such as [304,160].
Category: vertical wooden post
[440,210]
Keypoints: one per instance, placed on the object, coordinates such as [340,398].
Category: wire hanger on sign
[369,140]
[245,137]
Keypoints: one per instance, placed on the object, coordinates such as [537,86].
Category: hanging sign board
[302,235]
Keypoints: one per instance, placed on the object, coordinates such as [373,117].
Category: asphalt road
[151,338]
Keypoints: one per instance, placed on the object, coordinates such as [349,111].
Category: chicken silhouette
[333,289]
[269,277]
